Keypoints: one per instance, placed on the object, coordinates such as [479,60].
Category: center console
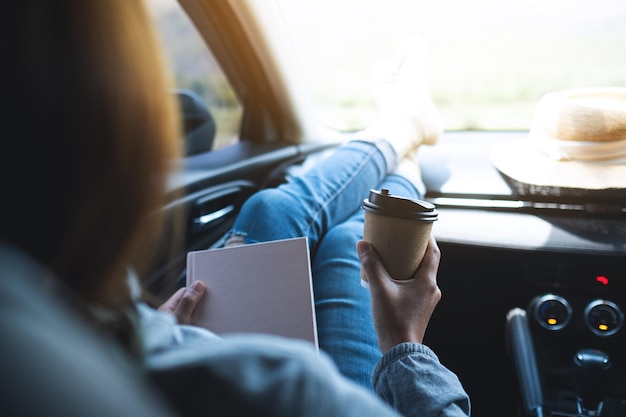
[569,343]
[556,270]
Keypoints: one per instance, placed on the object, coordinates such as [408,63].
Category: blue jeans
[323,204]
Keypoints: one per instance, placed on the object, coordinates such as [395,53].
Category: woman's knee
[270,214]
[341,239]
[267,202]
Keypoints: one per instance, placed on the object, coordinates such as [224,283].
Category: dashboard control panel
[553,312]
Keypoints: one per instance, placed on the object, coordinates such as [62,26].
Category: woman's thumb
[370,262]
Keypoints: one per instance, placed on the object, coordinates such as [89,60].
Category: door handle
[204,220]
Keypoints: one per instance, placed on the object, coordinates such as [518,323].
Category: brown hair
[94,131]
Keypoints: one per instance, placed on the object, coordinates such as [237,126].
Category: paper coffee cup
[399,229]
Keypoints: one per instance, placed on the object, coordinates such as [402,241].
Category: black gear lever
[590,379]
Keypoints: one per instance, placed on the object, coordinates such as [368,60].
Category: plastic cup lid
[384,203]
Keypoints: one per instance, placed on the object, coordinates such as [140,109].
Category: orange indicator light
[603,327]
[552,321]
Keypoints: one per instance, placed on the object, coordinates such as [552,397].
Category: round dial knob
[552,312]
[603,317]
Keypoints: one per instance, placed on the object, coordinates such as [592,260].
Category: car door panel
[207,194]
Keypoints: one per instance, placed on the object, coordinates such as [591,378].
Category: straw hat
[577,141]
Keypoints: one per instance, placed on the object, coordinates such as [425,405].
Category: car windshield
[491,60]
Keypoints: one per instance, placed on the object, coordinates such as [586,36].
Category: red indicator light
[602,280]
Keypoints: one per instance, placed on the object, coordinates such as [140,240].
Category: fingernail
[362,248]
[196,286]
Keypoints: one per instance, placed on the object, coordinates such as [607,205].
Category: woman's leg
[314,202]
[328,193]
[343,311]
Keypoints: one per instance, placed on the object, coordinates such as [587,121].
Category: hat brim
[531,171]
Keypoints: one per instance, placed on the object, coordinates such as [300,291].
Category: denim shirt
[269,375]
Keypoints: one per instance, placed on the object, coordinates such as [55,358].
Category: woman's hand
[401,309]
[184,301]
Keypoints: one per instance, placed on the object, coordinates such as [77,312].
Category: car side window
[196,69]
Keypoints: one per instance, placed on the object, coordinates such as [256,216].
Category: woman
[88,92]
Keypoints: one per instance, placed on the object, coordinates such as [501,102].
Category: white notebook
[256,288]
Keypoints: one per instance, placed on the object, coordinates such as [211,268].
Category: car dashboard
[529,284]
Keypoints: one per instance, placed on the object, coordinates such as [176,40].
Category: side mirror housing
[198,124]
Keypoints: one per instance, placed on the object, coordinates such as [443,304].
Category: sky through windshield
[492,60]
